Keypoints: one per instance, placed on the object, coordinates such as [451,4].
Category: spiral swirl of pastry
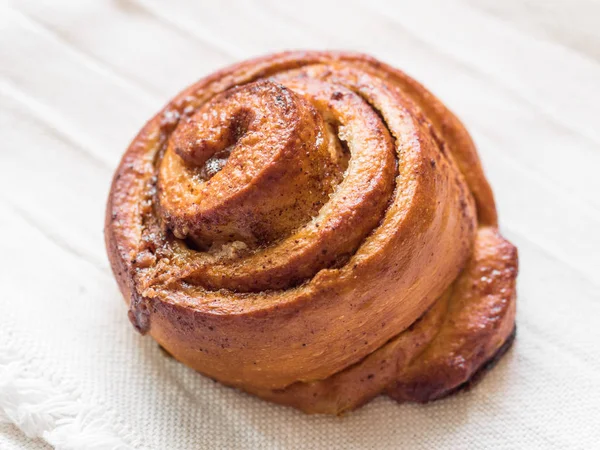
[314,228]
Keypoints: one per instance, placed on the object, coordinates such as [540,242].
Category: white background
[79,78]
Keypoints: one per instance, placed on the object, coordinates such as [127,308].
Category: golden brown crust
[297,226]
[464,329]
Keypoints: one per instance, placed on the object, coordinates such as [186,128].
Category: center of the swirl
[207,143]
[251,165]
[215,163]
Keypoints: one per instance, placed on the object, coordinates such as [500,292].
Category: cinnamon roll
[314,228]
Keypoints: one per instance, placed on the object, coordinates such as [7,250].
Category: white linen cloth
[78,80]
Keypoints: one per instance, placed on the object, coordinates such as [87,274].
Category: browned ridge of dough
[314,228]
